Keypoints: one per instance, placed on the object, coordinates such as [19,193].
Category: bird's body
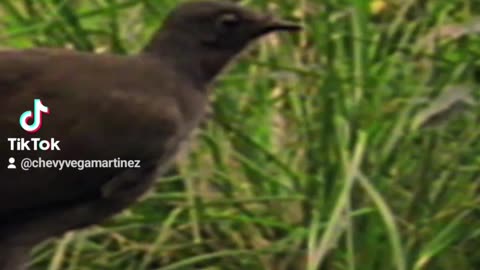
[140,115]
[107,107]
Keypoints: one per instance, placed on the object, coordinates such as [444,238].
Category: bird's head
[221,25]
[211,33]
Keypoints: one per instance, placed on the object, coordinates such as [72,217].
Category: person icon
[11,166]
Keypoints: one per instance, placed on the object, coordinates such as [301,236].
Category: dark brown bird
[104,107]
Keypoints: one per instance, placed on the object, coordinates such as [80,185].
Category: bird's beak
[272,24]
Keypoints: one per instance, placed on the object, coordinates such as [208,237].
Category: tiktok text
[33,144]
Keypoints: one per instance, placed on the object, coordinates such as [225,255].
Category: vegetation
[354,145]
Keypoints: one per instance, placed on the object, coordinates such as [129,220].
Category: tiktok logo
[38,109]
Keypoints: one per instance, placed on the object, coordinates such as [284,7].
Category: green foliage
[346,147]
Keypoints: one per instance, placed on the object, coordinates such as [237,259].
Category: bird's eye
[228,21]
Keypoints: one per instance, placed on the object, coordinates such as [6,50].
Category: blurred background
[354,145]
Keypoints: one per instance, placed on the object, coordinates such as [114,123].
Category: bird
[108,107]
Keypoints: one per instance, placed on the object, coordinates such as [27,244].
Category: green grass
[354,145]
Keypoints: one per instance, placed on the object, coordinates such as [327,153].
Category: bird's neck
[188,58]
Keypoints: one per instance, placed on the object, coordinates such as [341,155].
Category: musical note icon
[38,110]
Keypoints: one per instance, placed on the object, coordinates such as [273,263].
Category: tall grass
[354,145]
